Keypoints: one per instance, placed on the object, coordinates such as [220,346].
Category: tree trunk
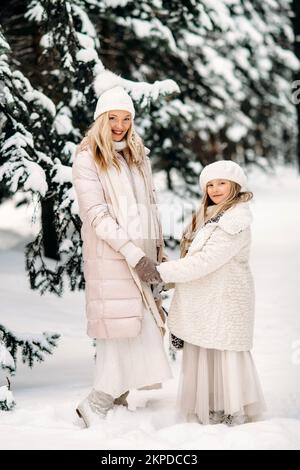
[50,242]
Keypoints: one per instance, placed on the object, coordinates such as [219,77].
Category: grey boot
[94,407]
[121,400]
[234,420]
[216,417]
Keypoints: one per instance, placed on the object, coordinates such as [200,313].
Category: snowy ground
[46,395]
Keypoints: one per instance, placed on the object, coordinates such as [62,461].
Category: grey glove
[146,269]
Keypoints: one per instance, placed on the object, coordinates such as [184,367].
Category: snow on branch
[33,347]
[138,90]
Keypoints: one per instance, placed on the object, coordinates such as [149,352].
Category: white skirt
[124,364]
[219,381]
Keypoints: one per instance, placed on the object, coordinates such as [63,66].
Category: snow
[243,24]
[219,13]
[65,246]
[146,28]
[87,55]
[42,100]
[106,80]
[287,57]
[46,40]
[46,396]
[116,3]
[36,179]
[85,41]
[241,57]
[86,25]
[224,68]
[18,140]
[18,225]
[236,132]
[35,12]
[33,173]
[6,359]
[63,123]
[5,394]
[63,173]
[4,45]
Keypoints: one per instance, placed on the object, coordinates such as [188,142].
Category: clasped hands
[147,272]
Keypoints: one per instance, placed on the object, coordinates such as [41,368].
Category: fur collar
[233,221]
[236,219]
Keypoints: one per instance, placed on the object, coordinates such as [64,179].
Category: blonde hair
[235,196]
[99,139]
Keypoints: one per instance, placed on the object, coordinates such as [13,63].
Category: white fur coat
[213,302]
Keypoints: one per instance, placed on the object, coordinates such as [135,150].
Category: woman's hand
[146,269]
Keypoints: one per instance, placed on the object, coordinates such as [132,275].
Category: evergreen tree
[233,61]
[7,364]
[33,348]
[296,84]
[42,128]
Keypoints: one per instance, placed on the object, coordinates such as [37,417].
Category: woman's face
[120,121]
[218,190]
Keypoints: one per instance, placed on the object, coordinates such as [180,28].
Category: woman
[122,243]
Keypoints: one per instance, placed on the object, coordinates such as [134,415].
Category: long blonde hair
[235,196]
[99,139]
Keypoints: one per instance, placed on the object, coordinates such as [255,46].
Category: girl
[212,310]
[122,243]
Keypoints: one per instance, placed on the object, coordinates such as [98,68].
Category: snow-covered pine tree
[269,38]
[66,58]
[32,347]
[7,364]
[22,166]
[53,119]
[234,63]
[296,27]
[7,402]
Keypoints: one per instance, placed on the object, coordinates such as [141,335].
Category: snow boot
[121,400]
[94,407]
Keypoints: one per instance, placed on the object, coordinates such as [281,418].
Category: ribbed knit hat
[115,98]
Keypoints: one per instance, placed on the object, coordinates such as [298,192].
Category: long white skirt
[219,381]
[131,363]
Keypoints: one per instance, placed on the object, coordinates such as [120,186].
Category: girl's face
[120,121]
[218,190]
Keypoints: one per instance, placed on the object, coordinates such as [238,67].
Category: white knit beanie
[223,169]
[115,98]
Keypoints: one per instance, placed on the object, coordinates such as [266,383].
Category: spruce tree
[7,365]
[296,84]
[234,64]
[52,122]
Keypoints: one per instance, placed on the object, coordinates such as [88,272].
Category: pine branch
[33,347]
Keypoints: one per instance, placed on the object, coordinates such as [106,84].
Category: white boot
[94,407]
